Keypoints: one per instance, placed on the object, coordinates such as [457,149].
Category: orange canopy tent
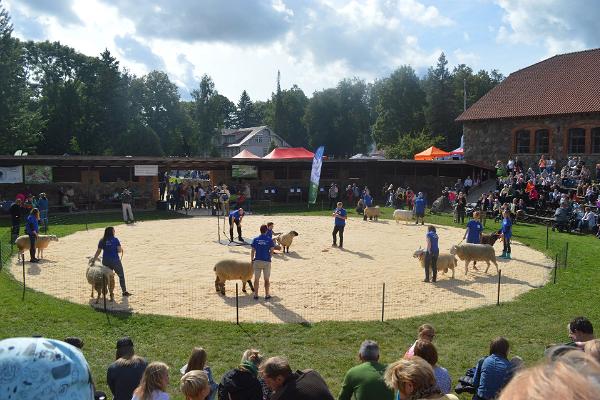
[291,152]
[431,154]
[246,154]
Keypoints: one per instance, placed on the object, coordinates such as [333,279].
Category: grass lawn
[531,322]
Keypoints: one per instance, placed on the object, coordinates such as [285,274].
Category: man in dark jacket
[124,375]
[288,385]
[16,212]
[241,383]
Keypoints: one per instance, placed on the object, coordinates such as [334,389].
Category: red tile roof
[563,84]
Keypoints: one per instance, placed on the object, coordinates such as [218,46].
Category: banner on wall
[38,174]
[315,175]
[145,170]
[11,174]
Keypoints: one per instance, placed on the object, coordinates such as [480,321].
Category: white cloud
[465,57]
[426,15]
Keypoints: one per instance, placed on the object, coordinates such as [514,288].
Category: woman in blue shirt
[32,229]
[111,247]
[433,251]
[506,232]
[495,371]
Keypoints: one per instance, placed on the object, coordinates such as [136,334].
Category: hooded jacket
[240,384]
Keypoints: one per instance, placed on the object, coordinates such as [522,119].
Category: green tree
[293,130]
[440,110]
[245,116]
[412,143]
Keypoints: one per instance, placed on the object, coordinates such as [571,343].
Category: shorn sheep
[444,261]
[286,240]
[475,252]
[229,270]
[41,243]
[102,280]
[403,215]
[372,212]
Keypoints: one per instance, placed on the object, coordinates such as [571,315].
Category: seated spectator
[194,385]
[288,385]
[588,222]
[592,348]
[580,331]
[365,381]
[495,371]
[40,368]
[66,201]
[197,361]
[242,382]
[414,379]
[428,352]
[425,332]
[154,383]
[124,375]
[74,341]
[561,218]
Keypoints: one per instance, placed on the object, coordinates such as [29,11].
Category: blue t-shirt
[262,246]
[269,233]
[368,200]
[31,225]
[494,374]
[342,213]
[110,249]
[42,204]
[420,205]
[433,238]
[507,228]
[235,215]
[474,230]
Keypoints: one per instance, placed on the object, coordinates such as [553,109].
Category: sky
[241,44]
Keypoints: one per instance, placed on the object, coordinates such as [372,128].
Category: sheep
[41,243]
[490,239]
[372,213]
[444,261]
[286,240]
[405,215]
[475,252]
[227,270]
[102,280]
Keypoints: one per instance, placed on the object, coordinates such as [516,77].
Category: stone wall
[488,141]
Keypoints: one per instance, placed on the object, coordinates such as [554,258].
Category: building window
[596,140]
[542,141]
[576,140]
[522,141]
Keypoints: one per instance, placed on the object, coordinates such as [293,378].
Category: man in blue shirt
[420,208]
[32,229]
[236,216]
[433,251]
[368,200]
[340,216]
[260,257]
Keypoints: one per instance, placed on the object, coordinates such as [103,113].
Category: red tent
[460,151]
[291,152]
[431,154]
[245,154]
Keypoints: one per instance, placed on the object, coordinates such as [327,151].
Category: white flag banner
[11,174]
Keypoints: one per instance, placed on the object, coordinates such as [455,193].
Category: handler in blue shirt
[420,208]
[368,200]
[506,232]
[433,251]
[32,229]
[340,216]
[236,216]
[111,247]
[260,257]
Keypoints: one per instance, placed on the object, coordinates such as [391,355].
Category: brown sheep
[41,243]
[227,270]
[490,239]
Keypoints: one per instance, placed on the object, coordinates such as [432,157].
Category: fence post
[23,260]
[547,229]
[237,304]
[1,263]
[566,253]
[104,287]
[383,302]
[499,278]
[555,266]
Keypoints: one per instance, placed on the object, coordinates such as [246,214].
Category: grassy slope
[530,323]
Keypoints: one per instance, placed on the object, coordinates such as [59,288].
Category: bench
[539,219]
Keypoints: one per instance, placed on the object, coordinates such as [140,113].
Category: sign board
[244,171]
[146,170]
[11,174]
[38,174]
[315,175]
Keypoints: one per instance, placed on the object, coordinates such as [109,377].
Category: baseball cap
[124,342]
[40,368]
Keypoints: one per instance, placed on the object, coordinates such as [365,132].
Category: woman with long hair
[111,247]
[414,380]
[154,383]
[197,362]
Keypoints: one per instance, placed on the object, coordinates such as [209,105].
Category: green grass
[534,320]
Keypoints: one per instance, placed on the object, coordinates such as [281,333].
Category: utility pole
[465,94]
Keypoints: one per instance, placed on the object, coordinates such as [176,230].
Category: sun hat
[40,368]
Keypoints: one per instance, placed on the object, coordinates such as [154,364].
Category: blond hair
[592,348]
[416,371]
[152,379]
[193,383]
[253,356]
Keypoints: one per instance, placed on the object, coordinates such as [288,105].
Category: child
[194,385]
[154,383]
[197,361]
[506,232]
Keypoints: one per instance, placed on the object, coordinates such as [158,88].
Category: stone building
[256,140]
[550,108]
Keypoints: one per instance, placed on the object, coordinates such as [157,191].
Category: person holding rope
[432,254]
[260,256]
[236,216]
[474,232]
[111,247]
[506,231]
[340,216]
[32,229]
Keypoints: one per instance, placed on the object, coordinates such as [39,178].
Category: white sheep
[286,240]
[372,212]
[102,280]
[403,215]
[228,270]
[444,261]
[41,243]
[475,252]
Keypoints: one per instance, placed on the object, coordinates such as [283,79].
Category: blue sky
[242,44]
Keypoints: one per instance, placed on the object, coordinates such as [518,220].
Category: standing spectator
[111,247]
[260,257]
[506,231]
[288,385]
[425,332]
[32,229]
[197,361]
[433,251]
[410,198]
[16,212]
[461,208]
[427,351]
[467,185]
[365,381]
[154,383]
[550,165]
[194,385]
[333,195]
[414,380]
[420,208]
[42,205]
[495,371]
[542,164]
[248,196]
[125,374]
[126,201]
[340,215]
[242,383]
[458,186]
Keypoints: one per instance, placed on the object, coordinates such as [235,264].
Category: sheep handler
[260,257]
[474,232]
[236,216]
